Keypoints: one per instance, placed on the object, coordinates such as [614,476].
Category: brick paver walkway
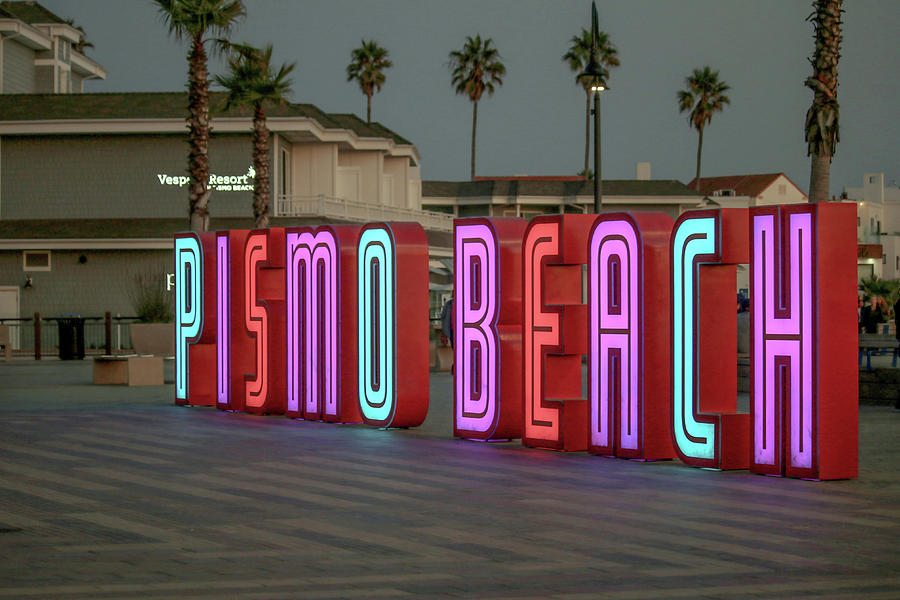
[111,492]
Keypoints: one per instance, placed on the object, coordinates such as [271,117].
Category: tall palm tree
[822,131]
[367,66]
[252,81]
[577,57]
[476,69]
[193,19]
[704,96]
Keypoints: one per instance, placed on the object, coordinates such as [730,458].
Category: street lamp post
[596,74]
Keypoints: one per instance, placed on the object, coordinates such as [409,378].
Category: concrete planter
[153,338]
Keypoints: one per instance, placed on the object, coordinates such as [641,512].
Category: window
[36,260]
[858,221]
[897,263]
[782,190]
[284,180]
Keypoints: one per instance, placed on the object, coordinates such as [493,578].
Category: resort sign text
[219,183]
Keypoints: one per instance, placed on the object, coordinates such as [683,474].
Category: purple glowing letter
[615,353]
[312,323]
[477,345]
[223,333]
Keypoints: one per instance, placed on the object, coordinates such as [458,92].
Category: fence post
[108,323]
[37,336]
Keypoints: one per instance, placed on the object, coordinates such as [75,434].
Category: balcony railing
[359,212]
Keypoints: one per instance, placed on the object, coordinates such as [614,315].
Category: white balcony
[349,210]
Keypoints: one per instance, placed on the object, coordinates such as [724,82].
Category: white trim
[29,36]
[88,244]
[28,253]
[85,66]
[280,125]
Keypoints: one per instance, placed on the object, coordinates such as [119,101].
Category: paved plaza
[114,492]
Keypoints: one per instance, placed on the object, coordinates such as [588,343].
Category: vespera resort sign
[219,183]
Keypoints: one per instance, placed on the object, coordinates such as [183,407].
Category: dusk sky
[534,124]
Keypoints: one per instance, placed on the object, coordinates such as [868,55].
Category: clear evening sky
[534,124]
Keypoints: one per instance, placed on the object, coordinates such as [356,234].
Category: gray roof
[502,187]
[166,105]
[29,12]
[84,229]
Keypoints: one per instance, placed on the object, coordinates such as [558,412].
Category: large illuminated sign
[628,380]
[321,326]
[392,273]
[707,430]
[792,408]
[555,337]
[330,323]
[487,388]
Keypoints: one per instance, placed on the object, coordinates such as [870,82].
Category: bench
[128,369]
[869,342]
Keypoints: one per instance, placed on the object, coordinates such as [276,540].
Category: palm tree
[822,132]
[367,67]
[192,19]
[577,58]
[704,96]
[476,68]
[82,42]
[251,81]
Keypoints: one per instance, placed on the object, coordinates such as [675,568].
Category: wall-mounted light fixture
[28,283]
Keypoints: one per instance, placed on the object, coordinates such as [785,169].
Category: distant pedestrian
[872,315]
[447,320]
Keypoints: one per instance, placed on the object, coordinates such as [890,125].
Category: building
[92,187]
[41,52]
[524,196]
[743,191]
[877,226]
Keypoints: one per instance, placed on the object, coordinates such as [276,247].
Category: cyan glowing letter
[393,358]
[188,306]
[706,430]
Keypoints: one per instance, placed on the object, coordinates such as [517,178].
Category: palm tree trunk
[587,133]
[820,177]
[198,136]
[474,126]
[822,119]
[699,154]
[261,164]
[368,108]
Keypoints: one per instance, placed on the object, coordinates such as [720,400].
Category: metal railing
[39,336]
[359,212]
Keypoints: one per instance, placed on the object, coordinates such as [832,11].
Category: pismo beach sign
[330,324]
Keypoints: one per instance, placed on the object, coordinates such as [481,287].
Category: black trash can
[71,337]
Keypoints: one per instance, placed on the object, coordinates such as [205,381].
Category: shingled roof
[166,105]
[29,12]
[743,185]
[89,229]
[552,187]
